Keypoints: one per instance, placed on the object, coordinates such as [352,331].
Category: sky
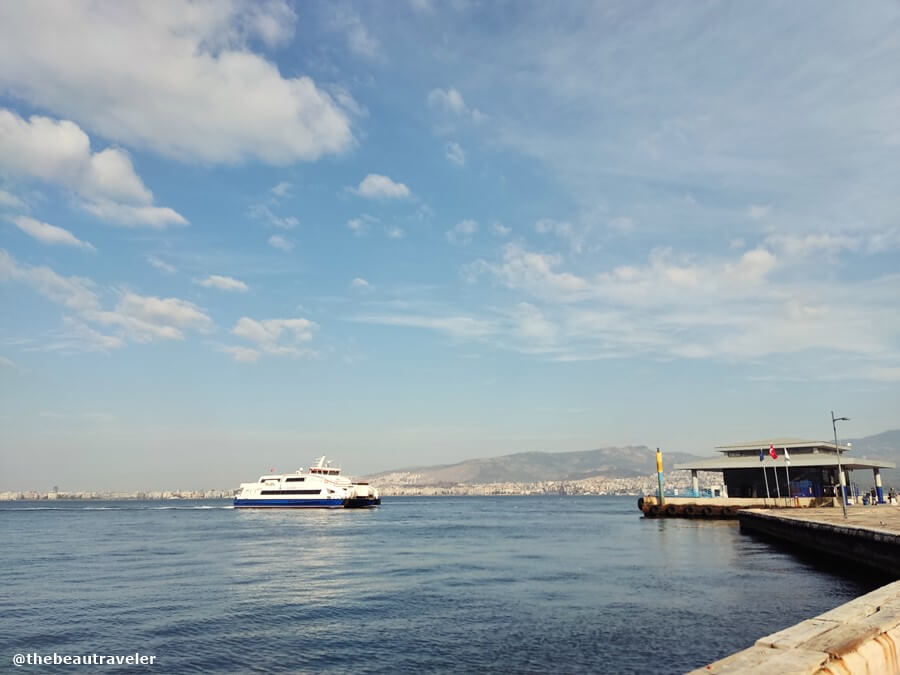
[235,236]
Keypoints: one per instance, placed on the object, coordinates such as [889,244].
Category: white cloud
[6,363]
[279,337]
[451,101]
[282,189]
[9,200]
[83,337]
[359,40]
[111,176]
[462,232]
[562,229]
[145,318]
[223,283]
[49,234]
[748,305]
[241,354]
[279,242]
[59,152]
[264,212]
[532,325]
[178,79]
[801,246]
[752,267]
[758,211]
[128,215]
[361,284]
[161,265]
[535,272]
[456,154]
[357,226]
[138,317]
[76,293]
[376,186]
[455,326]
[395,232]
[500,229]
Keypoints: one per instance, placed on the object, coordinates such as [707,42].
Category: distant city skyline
[236,236]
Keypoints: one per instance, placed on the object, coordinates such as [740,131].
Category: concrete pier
[720,507]
[861,636]
[868,537]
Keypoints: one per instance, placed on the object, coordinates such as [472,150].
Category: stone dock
[868,537]
[861,636]
[720,507]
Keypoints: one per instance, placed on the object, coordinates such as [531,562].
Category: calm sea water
[511,584]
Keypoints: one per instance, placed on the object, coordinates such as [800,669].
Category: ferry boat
[320,487]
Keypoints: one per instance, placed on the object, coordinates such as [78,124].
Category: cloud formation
[361,284]
[161,265]
[746,306]
[277,337]
[140,318]
[177,78]
[462,232]
[59,152]
[451,101]
[223,283]
[456,154]
[282,244]
[50,234]
[376,186]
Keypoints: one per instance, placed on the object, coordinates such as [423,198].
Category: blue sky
[235,235]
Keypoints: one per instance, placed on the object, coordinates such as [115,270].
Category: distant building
[813,468]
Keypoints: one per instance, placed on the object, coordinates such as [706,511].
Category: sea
[421,584]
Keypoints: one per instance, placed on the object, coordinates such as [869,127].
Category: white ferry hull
[321,487]
[288,503]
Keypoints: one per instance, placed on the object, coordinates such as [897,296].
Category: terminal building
[799,468]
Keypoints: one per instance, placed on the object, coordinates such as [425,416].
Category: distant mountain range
[529,467]
[611,462]
[885,445]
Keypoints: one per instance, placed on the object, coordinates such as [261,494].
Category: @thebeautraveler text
[54,659]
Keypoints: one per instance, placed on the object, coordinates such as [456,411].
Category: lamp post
[834,421]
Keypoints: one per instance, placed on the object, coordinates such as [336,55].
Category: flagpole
[765,477]
[787,473]
[777,486]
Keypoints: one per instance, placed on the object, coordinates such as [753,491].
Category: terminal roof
[780,443]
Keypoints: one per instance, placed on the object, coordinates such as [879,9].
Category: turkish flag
[772,453]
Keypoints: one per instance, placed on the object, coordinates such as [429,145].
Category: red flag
[772,453]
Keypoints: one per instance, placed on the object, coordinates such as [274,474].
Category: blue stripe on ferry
[311,503]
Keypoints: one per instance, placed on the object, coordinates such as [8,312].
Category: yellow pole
[659,476]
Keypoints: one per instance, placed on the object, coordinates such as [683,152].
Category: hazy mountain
[885,445]
[526,467]
[612,462]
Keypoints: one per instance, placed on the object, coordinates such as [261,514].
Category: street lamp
[834,421]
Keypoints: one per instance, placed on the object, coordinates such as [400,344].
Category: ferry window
[294,480]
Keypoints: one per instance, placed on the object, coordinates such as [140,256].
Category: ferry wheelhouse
[320,487]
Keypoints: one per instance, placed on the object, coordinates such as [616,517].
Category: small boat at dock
[320,487]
